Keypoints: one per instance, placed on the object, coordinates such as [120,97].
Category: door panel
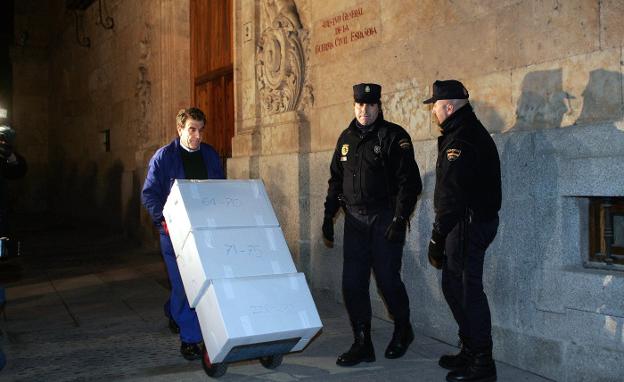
[212,70]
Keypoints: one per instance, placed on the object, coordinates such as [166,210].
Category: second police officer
[375,178]
[467,199]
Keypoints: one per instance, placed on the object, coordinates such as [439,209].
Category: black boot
[401,339]
[480,369]
[457,361]
[362,349]
[191,351]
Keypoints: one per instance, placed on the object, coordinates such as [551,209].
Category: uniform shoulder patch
[345,149]
[453,154]
[405,144]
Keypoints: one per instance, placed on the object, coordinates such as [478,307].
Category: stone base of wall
[550,315]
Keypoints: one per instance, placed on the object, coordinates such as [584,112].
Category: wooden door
[212,70]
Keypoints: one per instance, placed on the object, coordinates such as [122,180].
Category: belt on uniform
[368,209]
[481,216]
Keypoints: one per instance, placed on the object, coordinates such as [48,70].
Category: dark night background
[6,39]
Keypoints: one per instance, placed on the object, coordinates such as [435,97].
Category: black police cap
[449,89]
[367,93]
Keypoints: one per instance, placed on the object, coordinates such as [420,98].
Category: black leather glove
[5,151]
[396,230]
[328,231]
[436,250]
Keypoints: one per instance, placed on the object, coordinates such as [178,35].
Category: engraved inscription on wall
[348,28]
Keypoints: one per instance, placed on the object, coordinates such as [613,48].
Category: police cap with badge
[448,89]
[367,93]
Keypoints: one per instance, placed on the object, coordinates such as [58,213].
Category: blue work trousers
[178,305]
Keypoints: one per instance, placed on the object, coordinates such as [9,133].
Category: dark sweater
[194,167]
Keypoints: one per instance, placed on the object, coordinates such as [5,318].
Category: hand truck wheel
[214,370]
[272,361]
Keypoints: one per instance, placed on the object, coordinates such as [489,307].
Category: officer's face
[366,113]
[442,109]
[191,133]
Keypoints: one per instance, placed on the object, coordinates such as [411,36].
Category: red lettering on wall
[346,30]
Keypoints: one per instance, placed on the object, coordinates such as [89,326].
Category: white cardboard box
[216,203]
[256,310]
[228,253]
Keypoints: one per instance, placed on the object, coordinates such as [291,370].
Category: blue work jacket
[165,167]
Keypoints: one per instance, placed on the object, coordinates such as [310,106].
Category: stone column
[272,134]
[168,61]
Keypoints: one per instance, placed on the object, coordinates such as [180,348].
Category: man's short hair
[191,112]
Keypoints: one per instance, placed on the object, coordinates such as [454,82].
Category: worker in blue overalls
[186,157]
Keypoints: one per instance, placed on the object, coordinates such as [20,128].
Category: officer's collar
[453,121]
[363,130]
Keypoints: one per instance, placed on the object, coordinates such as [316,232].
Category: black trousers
[366,249]
[462,281]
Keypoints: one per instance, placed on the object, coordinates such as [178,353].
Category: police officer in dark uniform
[374,177]
[467,199]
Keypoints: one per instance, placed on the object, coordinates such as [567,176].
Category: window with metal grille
[606,231]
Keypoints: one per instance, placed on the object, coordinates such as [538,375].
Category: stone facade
[545,77]
[130,81]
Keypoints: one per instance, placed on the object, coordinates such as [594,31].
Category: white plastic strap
[229,291]
[270,235]
[208,237]
[294,282]
[246,324]
[195,191]
[275,266]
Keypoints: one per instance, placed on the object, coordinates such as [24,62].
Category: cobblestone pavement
[84,306]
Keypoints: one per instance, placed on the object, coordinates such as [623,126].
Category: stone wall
[545,78]
[31,103]
[129,81]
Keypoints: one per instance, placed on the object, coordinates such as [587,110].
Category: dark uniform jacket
[468,179]
[374,170]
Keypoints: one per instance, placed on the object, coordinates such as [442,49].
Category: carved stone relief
[281,65]
[143,87]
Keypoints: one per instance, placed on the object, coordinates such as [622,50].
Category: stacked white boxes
[237,271]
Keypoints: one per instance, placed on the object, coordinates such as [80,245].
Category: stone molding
[281,61]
